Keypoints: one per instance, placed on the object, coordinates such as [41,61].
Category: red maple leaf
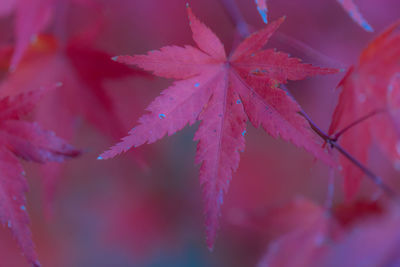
[223,93]
[28,141]
[366,89]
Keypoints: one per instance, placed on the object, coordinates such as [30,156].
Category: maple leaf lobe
[206,40]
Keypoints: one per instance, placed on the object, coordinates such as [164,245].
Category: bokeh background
[122,212]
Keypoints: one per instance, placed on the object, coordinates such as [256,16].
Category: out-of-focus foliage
[145,209]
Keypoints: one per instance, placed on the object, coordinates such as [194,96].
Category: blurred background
[144,208]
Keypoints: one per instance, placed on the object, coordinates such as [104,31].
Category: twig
[332,141]
[375,178]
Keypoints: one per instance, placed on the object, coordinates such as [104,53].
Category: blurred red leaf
[28,141]
[82,71]
[364,91]
[32,16]
[373,242]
